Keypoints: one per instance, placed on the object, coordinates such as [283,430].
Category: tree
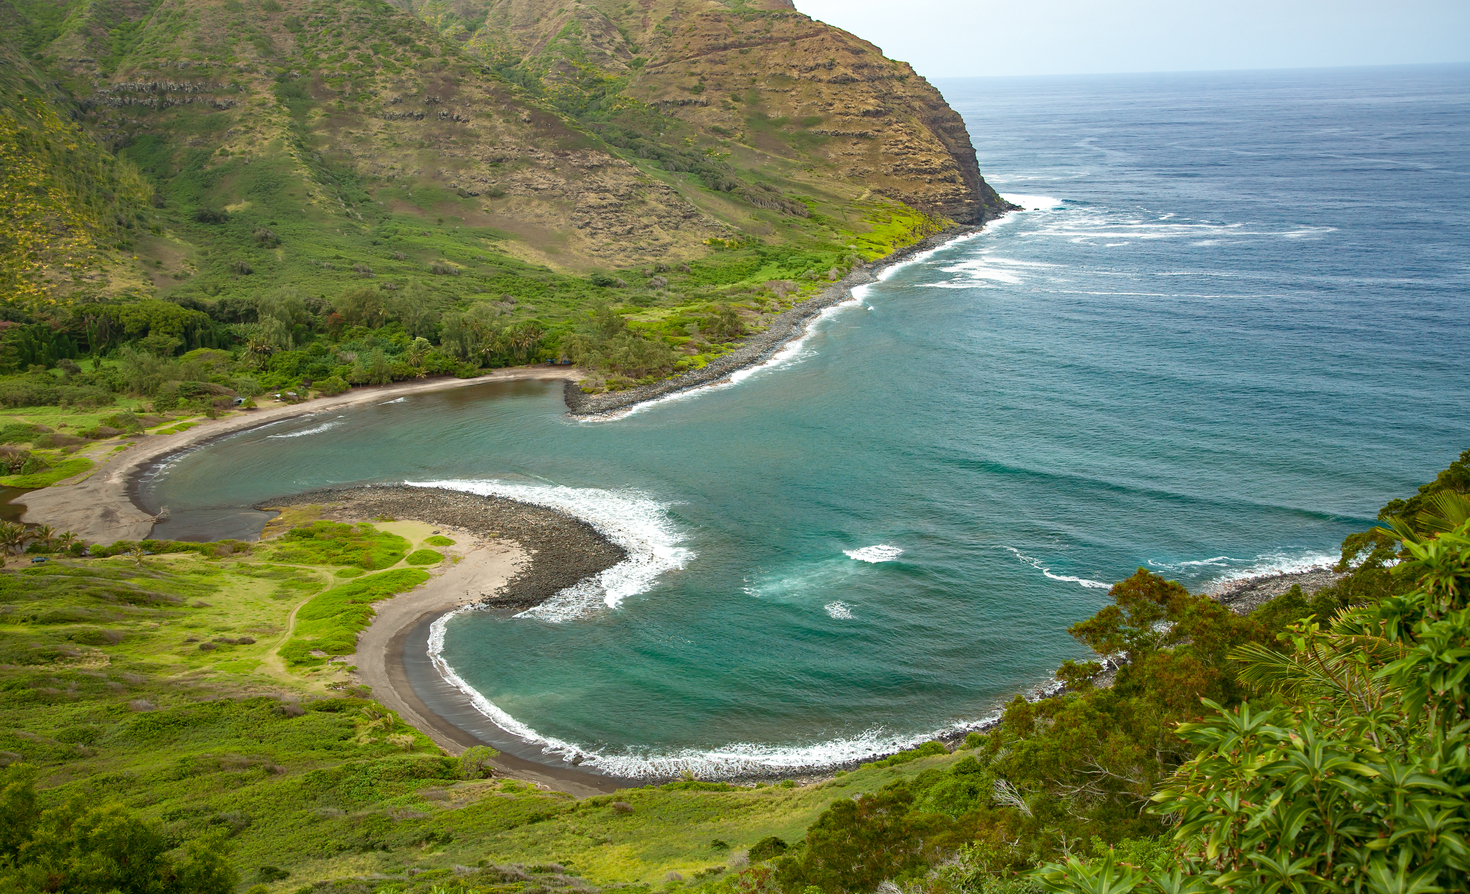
[84,848]
[412,307]
[478,762]
[12,536]
[1142,619]
[1358,781]
[361,307]
[725,323]
[418,349]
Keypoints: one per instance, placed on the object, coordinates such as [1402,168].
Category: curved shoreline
[517,556]
[105,506]
[760,347]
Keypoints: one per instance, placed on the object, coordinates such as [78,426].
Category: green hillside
[339,191]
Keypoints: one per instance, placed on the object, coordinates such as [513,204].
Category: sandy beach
[512,556]
[100,508]
[481,570]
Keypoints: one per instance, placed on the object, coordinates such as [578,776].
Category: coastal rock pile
[1245,596]
[563,549]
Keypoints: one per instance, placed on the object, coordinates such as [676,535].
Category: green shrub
[84,847]
[332,386]
[330,622]
[425,557]
[335,543]
[768,848]
[20,433]
[439,540]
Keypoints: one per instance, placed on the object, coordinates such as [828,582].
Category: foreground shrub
[84,848]
[1360,781]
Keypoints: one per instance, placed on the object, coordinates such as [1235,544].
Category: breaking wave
[314,430]
[633,521]
[882,552]
[1065,578]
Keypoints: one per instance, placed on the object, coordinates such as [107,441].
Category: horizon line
[1200,71]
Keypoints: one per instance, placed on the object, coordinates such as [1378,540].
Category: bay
[1229,327]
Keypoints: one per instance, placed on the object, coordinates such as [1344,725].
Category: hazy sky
[951,38]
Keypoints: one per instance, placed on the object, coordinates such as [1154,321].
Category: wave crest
[633,521]
[314,430]
[1065,578]
[881,552]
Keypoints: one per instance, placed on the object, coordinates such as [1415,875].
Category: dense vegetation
[1316,744]
[149,217]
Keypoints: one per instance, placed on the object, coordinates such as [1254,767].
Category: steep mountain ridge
[306,87]
[472,151]
[760,82]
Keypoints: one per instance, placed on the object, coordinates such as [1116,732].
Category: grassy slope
[141,682]
[301,120]
[67,207]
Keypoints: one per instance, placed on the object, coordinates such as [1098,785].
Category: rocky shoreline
[1248,594]
[758,348]
[563,549]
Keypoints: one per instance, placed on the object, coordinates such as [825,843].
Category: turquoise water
[1233,327]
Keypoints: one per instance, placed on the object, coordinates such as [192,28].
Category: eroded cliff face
[575,135]
[790,85]
[759,78]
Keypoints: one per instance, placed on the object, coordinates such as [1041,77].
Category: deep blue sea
[1230,325]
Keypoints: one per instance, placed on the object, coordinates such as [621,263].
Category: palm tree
[44,533]
[12,536]
[417,350]
[65,539]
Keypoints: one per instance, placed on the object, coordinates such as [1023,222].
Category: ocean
[1229,326]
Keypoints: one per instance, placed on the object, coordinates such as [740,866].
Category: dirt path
[272,660]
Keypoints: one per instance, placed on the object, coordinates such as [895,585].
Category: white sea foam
[980,269]
[1033,203]
[987,268]
[922,256]
[841,611]
[314,430]
[635,522]
[1272,564]
[1064,578]
[1216,562]
[1230,570]
[881,552]
[726,761]
[395,401]
[1097,227]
